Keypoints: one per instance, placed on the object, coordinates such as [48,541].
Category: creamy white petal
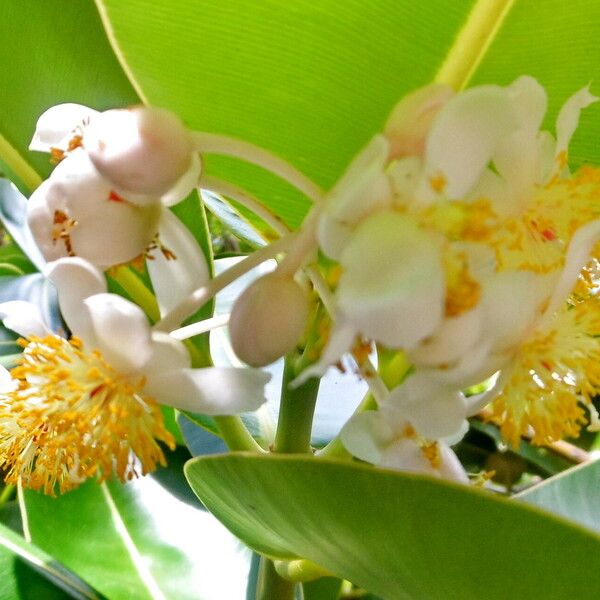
[340,341]
[464,137]
[436,411]
[404,177]
[411,119]
[7,383]
[101,227]
[392,287]
[450,467]
[23,318]
[568,117]
[212,391]
[40,218]
[363,189]
[367,435]
[57,125]
[490,186]
[546,151]
[75,280]
[175,279]
[167,354]
[122,332]
[453,339]
[530,100]
[185,184]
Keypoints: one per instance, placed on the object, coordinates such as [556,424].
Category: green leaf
[397,535]
[22,560]
[140,541]
[58,53]
[305,79]
[572,494]
[313,82]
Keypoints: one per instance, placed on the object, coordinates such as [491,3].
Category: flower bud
[411,119]
[268,319]
[143,150]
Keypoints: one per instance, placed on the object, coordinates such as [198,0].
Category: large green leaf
[400,536]
[55,52]
[573,494]
[313,81]
[140,540]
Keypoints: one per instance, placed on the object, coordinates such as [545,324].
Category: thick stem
[270,585]
[137,291]
[296,413]
[236,436]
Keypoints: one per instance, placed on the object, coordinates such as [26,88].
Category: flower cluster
[460,240]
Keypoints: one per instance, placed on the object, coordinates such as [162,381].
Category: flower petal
[24,318]
[173,279]
[530,100]
[211,391]
[58,124]
[434,410]
[363,189]
[167,354]
[75,280]
[367,435]
[121,331]
[7,383]
[392,288]
[568,118]
[463,139]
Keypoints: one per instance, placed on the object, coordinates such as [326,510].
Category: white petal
[340,341]
[58,124]
[392,288]
[453,339]
[404,176]
[451,468]
[546,151]
[578,255]
[23,318]
[367,435]
[212,391]
[185,184]
[121,330]
[405,454]
[7,383]
[75,280]
[435,411]
[511,302]
[40,218]
[167,354]
[363,189]
[568,118]
[105,231]
[175,279]
[410,120]
[463,139]
[530,100]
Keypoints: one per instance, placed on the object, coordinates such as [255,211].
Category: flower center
[73,416]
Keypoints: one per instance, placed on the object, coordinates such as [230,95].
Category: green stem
[270,585]
[335,448]
[235,435]
[7,494]
[137,291]
[296,413]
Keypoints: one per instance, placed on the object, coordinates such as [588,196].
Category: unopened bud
[143,150]
[411,119]
[268,319]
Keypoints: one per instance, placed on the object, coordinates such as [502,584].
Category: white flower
[386,438]
[89,403]
[145,153]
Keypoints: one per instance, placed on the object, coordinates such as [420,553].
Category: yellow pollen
[462,291]
[431,452]
[438,183]
[555,373]
[73,416]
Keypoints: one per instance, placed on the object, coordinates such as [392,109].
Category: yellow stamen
[73,416]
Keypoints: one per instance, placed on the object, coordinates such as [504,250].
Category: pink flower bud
[143,150]
[268,319]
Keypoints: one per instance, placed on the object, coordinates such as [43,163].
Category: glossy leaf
[313,83]
[28,572]
[145,540]
[398,535]
[572,494]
